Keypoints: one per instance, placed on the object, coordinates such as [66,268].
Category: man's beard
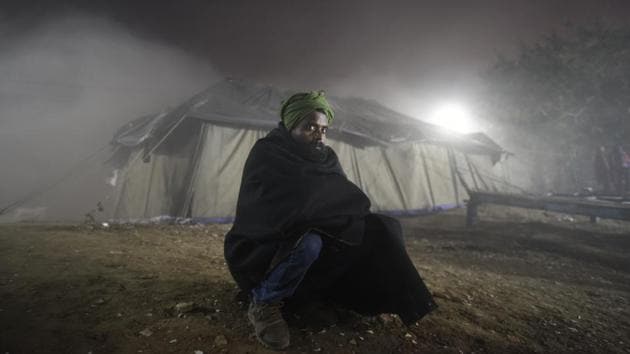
[317,151]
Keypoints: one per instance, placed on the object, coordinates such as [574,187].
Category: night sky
[426,48]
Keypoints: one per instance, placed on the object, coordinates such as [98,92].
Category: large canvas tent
[187,162]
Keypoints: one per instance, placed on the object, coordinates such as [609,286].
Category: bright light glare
[453,116]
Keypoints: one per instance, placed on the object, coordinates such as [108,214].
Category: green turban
[302,104]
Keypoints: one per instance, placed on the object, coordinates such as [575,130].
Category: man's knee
[311,246]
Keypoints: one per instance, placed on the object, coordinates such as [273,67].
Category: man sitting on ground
[304,232]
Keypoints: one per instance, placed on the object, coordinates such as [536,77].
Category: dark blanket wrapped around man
[287,190]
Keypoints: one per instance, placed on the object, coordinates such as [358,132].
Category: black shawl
[285,191]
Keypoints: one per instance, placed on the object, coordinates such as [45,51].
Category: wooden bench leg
[471,213]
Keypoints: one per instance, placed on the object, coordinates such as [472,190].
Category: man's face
[311,130]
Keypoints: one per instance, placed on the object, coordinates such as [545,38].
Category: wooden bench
[593,208]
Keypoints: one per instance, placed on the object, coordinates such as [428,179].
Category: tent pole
[472,173]
[396,181]
[355,165]
[449,153]
[427,176]
[192,177]
[170,131]
[149,187]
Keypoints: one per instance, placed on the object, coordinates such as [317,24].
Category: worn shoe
[270,327]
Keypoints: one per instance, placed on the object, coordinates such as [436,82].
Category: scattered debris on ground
[517,282]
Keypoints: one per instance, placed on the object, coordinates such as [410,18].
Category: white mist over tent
[453,116]
[66,85]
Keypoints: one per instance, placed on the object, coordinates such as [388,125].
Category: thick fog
[65,87]
[68,82]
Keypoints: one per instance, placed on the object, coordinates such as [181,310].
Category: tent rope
[490,177]
[46,188]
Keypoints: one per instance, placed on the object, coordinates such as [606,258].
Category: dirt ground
[517,282]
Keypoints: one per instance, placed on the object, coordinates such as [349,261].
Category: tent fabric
[151,189]
[196,169]
[159,185]
[139,130]
[220,170]
[406,178]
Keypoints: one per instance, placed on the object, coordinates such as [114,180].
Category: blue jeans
[284,279]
